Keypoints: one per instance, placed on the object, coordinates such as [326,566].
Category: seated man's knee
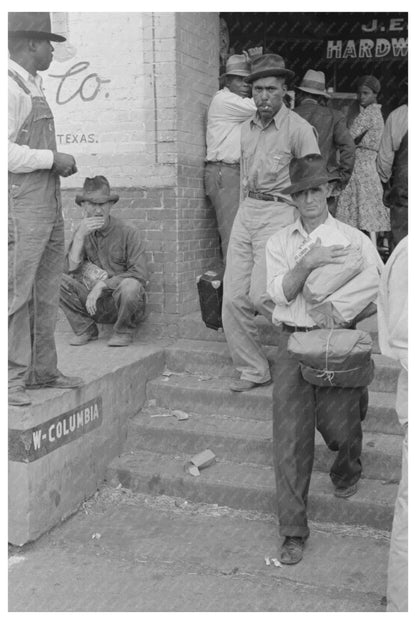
[130,288]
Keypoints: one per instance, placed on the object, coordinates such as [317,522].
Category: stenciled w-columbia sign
[31,444]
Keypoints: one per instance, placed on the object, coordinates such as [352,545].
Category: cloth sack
[341,307]
[334,357]
[91,273]
[325,280]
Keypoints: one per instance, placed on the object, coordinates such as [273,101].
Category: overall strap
[19,81]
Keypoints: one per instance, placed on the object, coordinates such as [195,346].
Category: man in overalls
[36,228]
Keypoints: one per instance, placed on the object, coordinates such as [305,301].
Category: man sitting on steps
[106,271]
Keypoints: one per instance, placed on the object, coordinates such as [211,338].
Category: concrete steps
[247,441]
[247,486]
[237,428]
[191,327]
[213,358]
[208,396]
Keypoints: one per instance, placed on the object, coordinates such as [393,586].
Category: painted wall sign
[31,444]
[367,48]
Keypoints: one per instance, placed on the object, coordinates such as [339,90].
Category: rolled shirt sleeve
[277,267]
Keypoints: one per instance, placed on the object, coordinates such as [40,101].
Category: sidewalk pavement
[127,552]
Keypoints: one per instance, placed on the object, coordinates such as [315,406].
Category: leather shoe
[82,339]
[120,340]
[346,492]
[242,385]
[292,550]
[61,381]
[18,397]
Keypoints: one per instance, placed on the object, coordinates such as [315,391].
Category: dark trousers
[222,185]
[124,306]
[297,408]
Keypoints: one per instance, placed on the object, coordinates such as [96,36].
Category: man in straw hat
[106,271]
[36,228]
[297,404]
[229,108]
[269,140]
[335,142]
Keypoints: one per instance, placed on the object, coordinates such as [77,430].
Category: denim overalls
[36,254]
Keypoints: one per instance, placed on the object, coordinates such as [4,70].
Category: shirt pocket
[276,160]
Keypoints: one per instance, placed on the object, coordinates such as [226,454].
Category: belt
[264,196]
[222,162]
[295,328]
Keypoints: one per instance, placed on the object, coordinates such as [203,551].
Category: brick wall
[146,118]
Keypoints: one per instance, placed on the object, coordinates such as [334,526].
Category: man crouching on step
[298,404]
[106,271]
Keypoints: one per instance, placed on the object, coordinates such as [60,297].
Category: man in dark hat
[335,142]
[36,228]
[269,140]
[297,404]
[229,108]
[106,272]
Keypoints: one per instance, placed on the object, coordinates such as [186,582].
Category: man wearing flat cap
[298,405]
[269,140]
[229,108]
[105,270]
[335,142]
[36,228]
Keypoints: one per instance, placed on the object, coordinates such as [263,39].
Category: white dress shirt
[392,313]
[21,158]
[226,113]
[393,133]
[281,251]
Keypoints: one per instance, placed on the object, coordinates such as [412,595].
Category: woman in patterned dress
[361,202]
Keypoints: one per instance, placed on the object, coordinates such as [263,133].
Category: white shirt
[226,113]
[21,158]
[281,249]
[392,315]
[393,133]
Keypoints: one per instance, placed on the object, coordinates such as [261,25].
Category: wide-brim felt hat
[237,65]
[97,191]
[308,172]
[33,26]
[314,82]
[268,65]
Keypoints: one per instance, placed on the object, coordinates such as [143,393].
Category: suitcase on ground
[210,290]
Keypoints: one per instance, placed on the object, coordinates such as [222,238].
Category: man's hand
[320,255]
[94,295]
[88,225]
[253,53]
[64,164]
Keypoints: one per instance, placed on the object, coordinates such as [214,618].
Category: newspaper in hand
[91,274]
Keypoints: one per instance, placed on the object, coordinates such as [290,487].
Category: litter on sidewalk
[180,415]
[199,461]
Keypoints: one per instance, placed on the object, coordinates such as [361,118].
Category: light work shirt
[226,113]
[267,151]
[393,133]
[281,250]
[392,316]
[21,158]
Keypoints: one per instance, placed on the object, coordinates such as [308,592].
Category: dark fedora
[32,26]
[307,172]
[268,65]
[97,191]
